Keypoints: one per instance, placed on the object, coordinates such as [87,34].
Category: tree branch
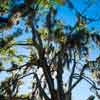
[40,88]
[79,79]
[81,14]
[73,70]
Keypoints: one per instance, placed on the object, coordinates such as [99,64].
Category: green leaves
[20,59]
[61,2]
[4,5]
[1,66]
[60,36]
[44,33]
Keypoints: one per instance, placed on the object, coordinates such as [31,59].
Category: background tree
[29,45]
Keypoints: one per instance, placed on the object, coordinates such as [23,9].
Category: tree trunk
[55,96]
[68,96]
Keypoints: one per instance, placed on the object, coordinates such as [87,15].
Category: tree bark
[56,96]
[68,96]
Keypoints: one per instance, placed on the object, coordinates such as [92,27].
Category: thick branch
[59,78]
[73,70]
[40,88]
[42,59]
[3,20]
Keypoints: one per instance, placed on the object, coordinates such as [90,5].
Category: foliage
[52,47]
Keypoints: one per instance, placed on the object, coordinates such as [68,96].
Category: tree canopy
[36,43]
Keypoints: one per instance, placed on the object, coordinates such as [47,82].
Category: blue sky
[81,92]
